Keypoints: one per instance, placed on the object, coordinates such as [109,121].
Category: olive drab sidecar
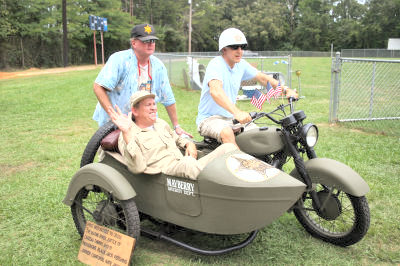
[234,194]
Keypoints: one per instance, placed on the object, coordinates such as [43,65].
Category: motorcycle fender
[333,173]
[101,175]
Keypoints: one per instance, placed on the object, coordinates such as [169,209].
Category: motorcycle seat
[110,142]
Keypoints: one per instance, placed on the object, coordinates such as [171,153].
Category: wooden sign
[103,246]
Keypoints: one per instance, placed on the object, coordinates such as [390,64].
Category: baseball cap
[140,95]
[144,32]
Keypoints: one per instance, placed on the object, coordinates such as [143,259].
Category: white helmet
[231,36]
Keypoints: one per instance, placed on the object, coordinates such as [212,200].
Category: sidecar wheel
[344,221]
[99,206]
[94,143]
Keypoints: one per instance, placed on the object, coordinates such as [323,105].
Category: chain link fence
[365,93]
[187,70]
[382,53]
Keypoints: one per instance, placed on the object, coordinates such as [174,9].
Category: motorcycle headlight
[309,133]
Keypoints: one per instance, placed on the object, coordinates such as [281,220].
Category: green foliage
[312,31]
[31,31]
[381,22]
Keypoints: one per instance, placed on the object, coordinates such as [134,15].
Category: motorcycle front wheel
[97,205]
[343,220]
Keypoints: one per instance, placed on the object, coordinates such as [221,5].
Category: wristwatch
[177,126]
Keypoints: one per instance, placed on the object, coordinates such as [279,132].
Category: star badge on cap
[147,29]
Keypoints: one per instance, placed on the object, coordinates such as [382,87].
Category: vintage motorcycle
[238,193]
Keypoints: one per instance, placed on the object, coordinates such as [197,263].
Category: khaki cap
[140,95]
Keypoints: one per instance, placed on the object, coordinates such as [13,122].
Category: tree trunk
[65,37]
[22,53]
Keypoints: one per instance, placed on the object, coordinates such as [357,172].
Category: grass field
[46,123]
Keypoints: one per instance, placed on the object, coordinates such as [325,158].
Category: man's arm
[171,110]
[220,97]
[264,79]
[102,97]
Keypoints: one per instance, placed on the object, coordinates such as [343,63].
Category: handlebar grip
[252,115]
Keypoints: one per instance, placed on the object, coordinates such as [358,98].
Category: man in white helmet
[221,85]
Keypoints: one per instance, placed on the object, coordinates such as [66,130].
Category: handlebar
[256,115]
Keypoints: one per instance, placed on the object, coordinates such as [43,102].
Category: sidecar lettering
[183,196]
[182,187]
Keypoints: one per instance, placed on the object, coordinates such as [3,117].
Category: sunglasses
[149,41]
[235,47]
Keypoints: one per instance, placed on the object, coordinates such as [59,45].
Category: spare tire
[94,143]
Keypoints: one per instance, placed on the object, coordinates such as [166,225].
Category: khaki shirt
[151,150]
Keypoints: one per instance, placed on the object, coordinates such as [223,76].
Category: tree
[347,16]
[314,29]
[380,23]
[65,32]
[31,31]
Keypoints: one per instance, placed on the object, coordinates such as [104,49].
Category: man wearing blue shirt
[221,86]
[131,70]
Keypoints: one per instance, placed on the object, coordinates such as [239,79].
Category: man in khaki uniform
[150,146]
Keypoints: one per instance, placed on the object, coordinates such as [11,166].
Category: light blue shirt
[231,79]
[120,77]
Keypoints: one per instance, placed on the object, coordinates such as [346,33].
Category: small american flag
[258,99]
[274,92]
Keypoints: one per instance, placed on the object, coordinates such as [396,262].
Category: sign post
[102,47]
[94,46]
[100,24]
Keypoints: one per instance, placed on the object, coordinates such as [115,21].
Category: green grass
[46,123]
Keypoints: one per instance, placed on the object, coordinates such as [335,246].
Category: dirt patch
[37,71]
[8,170]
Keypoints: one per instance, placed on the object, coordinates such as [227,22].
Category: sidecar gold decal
[250,169]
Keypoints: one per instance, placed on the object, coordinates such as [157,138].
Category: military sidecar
[234,194]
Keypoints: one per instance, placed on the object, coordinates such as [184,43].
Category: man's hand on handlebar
[289,93]
[242,117]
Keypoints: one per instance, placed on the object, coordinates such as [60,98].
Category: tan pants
[190,167]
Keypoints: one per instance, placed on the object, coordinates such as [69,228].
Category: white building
[394,44]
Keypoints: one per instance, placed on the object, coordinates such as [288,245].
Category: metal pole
[94,44]
[190,27]
[298,73]
[169,69]
[371,100]
[102,47]
[335,89]
[289,70]
[131,10]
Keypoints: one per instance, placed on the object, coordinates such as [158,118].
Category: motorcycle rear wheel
[344,221]
[93,145]
[99,206]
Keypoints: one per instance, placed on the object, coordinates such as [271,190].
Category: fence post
[169,69]
[289,71]
[335,83]
[371,99]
